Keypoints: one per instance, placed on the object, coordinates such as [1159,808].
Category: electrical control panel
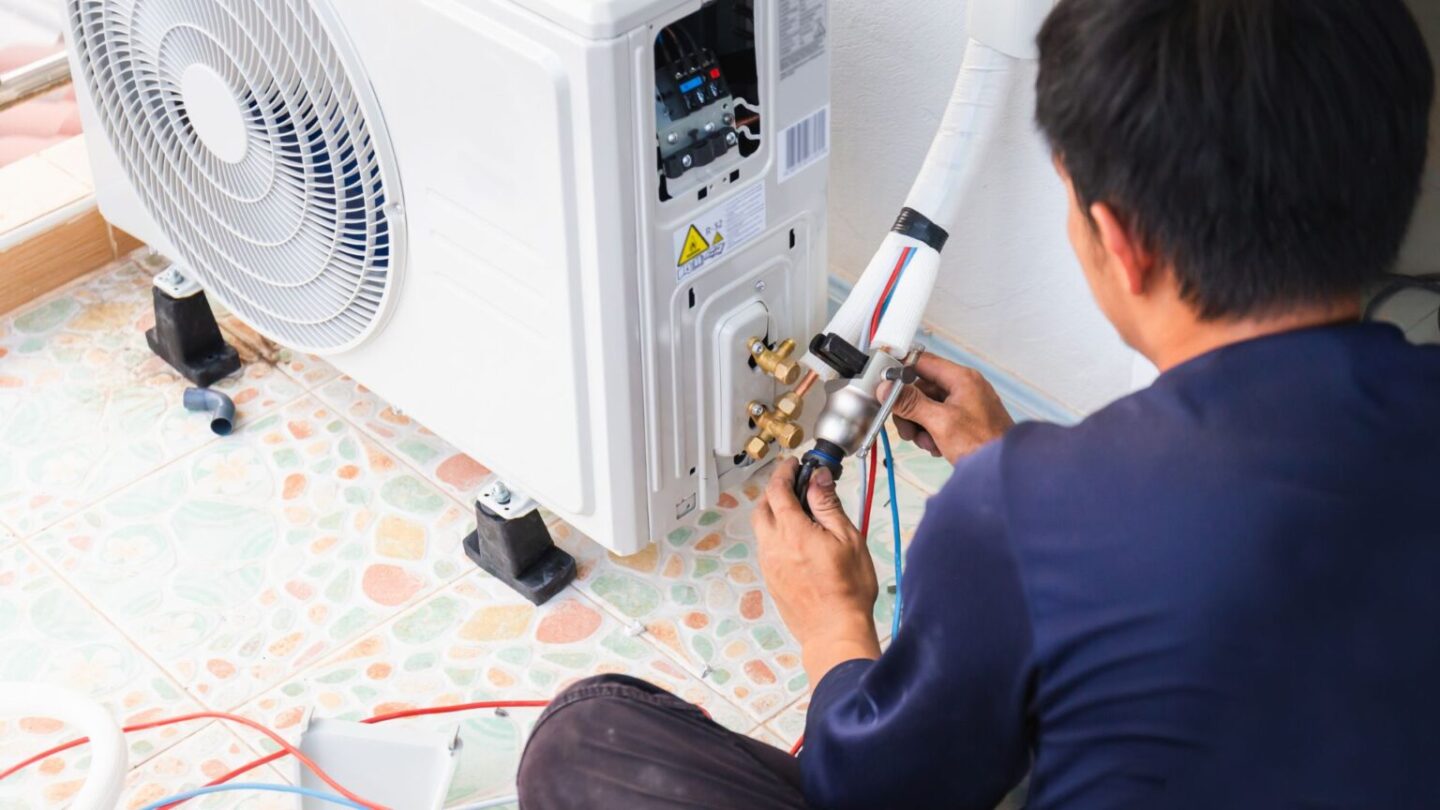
[707,99]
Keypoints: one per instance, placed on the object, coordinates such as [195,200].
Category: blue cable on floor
[299,791]
[894,527]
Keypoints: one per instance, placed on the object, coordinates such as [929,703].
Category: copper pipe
[806,384]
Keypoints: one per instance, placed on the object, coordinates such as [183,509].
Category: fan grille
[292,231]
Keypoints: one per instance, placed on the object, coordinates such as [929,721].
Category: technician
[1220,592]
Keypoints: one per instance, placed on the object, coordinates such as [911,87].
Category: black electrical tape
[917,226]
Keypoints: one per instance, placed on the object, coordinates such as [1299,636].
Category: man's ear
[1129,251]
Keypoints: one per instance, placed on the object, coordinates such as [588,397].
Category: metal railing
[34,79]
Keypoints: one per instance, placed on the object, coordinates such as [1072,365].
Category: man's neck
[1191,338]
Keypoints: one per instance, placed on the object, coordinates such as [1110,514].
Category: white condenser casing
[458,203]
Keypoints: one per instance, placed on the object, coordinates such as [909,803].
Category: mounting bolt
[731,139]
[756,409]
[501,492]
[672,138]
[687,161]
[727,118]
[709,126]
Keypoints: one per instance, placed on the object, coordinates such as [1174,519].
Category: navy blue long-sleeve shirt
[1220,592]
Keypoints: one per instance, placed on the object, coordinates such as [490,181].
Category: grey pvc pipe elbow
[221,408]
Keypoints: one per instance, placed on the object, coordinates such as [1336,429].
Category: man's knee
[586,724]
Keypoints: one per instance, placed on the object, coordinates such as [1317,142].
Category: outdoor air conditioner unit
[547,229]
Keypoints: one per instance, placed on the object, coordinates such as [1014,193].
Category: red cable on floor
[381,718]
[245,721]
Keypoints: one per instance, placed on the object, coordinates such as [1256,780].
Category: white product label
[804,143]
[720,231]
[802,34]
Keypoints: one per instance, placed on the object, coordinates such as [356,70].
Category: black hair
[1271,150]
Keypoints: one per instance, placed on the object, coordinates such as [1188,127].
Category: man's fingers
[926,442]
[780,494]
[942,373]
[906,428]
[762,518]
[914,406]
[826,507]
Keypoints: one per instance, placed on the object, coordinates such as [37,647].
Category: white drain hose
[108,755]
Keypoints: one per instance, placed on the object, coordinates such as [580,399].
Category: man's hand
[951,411]
[819,572]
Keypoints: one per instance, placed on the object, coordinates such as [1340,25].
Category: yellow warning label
[718,239]
[695,245]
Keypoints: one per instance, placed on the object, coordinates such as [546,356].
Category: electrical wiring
[885,296]
[664,46]
[233,718]
[679,47]
[489,803]
[1429,282]
[382,718]
[895,529]
[885,302]
[262,786]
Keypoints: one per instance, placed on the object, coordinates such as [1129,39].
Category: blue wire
[910,254]
[895,528]
[299,791]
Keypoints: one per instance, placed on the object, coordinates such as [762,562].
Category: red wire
[874,454]
[869,496]
[381,718]
[890,285]
[276,738]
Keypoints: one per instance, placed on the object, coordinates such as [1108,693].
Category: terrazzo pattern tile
[444,465]
[257,555]
[49,634]
[477,640]
[698,593]
[205,755]
[86,408]
[789,725]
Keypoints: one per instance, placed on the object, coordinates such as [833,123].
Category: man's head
[1234,160]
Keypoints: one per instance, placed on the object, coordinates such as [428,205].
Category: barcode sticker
[804,143]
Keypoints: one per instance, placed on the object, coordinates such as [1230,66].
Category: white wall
[1010,290]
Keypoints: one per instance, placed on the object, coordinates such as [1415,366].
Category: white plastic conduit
[938,193]
[108,755]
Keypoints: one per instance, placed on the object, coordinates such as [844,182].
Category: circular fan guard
[297,229]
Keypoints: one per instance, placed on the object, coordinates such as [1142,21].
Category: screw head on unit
[730,138]
[760,285]
[672,138]
[501,492]
[709,126]
[756,409]
[687,161]
[727,118]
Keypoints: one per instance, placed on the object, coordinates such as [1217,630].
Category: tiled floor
[311,561]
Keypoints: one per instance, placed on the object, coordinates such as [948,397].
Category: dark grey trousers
[618,742]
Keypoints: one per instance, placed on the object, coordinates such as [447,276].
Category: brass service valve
[776,362]
[775,426]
